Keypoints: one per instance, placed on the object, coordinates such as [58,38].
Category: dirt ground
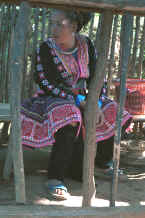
[130,191]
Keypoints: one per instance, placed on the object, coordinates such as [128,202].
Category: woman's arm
[46,75]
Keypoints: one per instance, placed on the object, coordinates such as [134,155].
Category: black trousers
[62,153]
[67,154]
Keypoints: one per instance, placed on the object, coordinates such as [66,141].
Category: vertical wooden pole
[2,48]
[126,33]
[8,161]
[34,46]
[141,53]
[115,25]
[131,71]
[11,28]
[96,42]
[43,24]
[17,54]
[91,26]
[90,110]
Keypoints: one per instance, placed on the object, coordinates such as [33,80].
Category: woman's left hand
[82,104]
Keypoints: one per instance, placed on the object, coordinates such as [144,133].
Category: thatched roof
[136,7]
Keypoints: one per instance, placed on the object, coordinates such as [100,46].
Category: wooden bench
[5,114]
[138,123]
[135,101]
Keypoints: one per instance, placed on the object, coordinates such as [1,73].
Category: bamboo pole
[135,48]
[43,24]
[6,52]
[91,26]
[34,46]
[97,40]
[115,26]
[2,44]
[12,19]
[126,32]
[141,53]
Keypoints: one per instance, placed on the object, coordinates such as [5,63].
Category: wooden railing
[135,7]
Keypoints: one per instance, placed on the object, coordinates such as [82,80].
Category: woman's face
[62,30]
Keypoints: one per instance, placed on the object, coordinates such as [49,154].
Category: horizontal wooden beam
[136,7]
[41,211]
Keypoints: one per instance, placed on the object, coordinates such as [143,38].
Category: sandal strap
[110,171]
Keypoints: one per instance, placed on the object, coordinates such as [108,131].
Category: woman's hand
[100,117]
[82,104]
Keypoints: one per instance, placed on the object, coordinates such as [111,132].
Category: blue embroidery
[39,67]
[56,91]
[45,82]
[50,87]
[56,60]
[70,97]
[64,74]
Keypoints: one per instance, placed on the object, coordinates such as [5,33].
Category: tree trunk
[90,110]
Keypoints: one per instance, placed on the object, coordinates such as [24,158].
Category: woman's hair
[80,17]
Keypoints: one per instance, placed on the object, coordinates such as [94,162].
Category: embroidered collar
[65,52]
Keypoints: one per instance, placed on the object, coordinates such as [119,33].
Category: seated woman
[65,66]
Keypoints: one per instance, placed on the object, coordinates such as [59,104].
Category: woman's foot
[108,173]
[57,190]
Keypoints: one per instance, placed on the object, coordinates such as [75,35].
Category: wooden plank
[5,114]
[42,211]
[16,66]
[139,118]
[8,166]
[118,6]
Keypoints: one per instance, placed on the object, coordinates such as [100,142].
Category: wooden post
[16,66]
[90,110]
[126,32]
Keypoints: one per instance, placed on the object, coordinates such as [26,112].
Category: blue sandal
[108,173]
[52,191]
